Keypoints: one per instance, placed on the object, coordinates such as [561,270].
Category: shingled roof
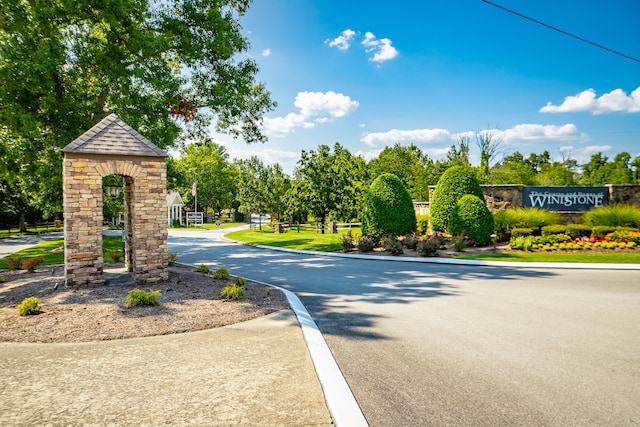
[115,137]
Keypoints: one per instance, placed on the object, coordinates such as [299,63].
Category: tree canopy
[216,183]
[330,184]
[168,69]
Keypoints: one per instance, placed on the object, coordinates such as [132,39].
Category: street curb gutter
[471,262]
[342,404]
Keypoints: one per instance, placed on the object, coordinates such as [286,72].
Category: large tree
[331,185]
[409,164]
[216,177]
[168,69]
[262,189]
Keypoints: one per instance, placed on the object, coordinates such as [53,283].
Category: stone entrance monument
[113,148]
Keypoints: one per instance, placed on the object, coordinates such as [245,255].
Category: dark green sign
[565,199]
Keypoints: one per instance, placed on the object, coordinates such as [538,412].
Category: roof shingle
[113,136]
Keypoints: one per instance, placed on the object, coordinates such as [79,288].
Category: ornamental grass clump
[234,290]
[138,297]
[221,273]
[29,306]
[615,215]
[202,269]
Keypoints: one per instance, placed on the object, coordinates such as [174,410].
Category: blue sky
[369,74]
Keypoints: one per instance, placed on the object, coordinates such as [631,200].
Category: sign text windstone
[565,199]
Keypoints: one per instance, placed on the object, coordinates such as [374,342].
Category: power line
[562,31]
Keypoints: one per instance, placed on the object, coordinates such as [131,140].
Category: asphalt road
[432,344]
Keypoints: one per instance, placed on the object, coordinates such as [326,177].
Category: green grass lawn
[312,241]
[304,240]
[210,226]
[30,230]
[584,256]
[52,251]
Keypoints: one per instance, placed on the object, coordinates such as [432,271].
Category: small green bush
[577,231]
[347,242]
[616,215]
[523,243]
[521,232]
[472,217]
[428,247]
[422,225]
[387,208]
[32,264]
[238,281]
[14,261]
[392,245]
[459,243]
[29,306]
[2,279]
[232,291]
[548,230]
[454,183]
[410,241]
[202,269]
[221,273]
[137,297]
[366,244]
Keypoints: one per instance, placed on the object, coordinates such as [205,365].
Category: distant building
[174,208]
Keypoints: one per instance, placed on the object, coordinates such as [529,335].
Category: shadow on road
[329,286]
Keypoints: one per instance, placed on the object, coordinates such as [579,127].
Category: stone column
[82,222]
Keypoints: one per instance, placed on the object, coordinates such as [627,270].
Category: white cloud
[615,101]
[537,132]
[280,126]
[593,149]
[519,133]
[325,104]
[315,107]
[343,41]
[379,139]
[381,48]
[266,52]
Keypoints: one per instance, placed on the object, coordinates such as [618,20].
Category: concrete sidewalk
[255,373]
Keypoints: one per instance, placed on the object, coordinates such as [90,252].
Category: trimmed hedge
[454,183]
[471,216]
[387,208]
[548,230]
[578,230]
[521,232]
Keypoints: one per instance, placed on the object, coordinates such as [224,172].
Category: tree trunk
[23,225]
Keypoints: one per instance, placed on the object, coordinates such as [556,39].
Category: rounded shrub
[472,217]
[387,208]
[454,183]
